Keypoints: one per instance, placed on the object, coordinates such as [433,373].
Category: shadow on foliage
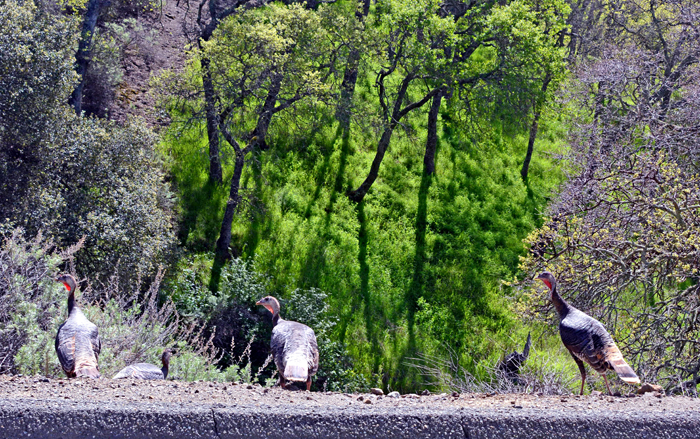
[195,206]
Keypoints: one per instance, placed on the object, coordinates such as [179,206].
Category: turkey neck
[559,303]
[166,366]
[276,318]
[275,308]
[71,301]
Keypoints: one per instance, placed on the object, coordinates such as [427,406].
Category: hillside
[394,172]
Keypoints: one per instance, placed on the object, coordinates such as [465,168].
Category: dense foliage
[375,166]
[133,326]
[29,302]
[76,178]
[623,231]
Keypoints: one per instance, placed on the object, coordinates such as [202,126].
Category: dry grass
[538,375]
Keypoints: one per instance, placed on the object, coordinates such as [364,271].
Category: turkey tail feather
[85,360]
[296,369]
[526,349]
[623,370]
[90,372]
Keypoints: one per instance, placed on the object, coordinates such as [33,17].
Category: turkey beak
[258,302]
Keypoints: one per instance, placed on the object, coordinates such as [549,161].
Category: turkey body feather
[293,345]
[294,350]
[142,371]
[78,346]
[586,339]
[148,371]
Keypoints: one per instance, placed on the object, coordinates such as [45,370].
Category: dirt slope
[142,62]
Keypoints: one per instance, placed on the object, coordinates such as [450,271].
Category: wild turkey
[587,340]
[293,347]
[510,365]
[147,371]
[77,341]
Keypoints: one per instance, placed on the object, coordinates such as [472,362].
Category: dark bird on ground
[510,365]
[293,347]
[77,341]
[147,371]
[587,340]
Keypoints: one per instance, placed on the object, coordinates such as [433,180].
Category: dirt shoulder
[37,407]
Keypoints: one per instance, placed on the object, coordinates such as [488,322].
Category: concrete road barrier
[31,418]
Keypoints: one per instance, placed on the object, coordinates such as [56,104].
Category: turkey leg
[581,368]
[606,384]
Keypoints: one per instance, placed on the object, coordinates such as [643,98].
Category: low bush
[29,299]
[133,325]
[230,316]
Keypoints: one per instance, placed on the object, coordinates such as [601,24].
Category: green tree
[263,62]
[104,182]
[36,63]
[407,41]
[486,53]
[350,32]
[210,14]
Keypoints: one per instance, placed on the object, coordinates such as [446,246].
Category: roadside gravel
[77,408]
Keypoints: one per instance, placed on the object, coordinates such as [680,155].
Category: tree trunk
[264,118]
[396,115]
[82,57]
[359,194]
[222,244]
[365,8]
[210,98]
[347,88]
[215,172]
[533,130]
[268,109]
[530,146]
[431,143]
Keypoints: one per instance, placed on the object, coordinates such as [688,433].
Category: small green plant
[187,288]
